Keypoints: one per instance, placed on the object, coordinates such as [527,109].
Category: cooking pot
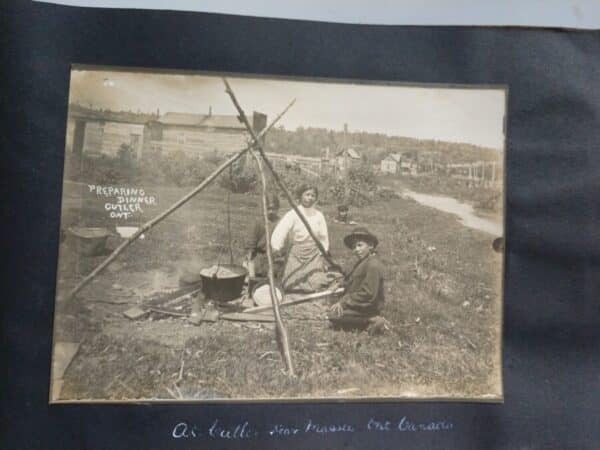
[223,283]
[91,241]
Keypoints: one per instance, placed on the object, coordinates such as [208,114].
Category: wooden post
[229,219]
[281,331]
[346,163]
[481,172]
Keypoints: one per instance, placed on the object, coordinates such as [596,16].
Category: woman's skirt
[305,269]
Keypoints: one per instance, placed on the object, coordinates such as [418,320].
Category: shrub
[363,177]
[357,189]
[99,169]
[240,177]
[182,170]
[126,156]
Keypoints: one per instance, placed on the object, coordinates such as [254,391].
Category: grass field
[442,298]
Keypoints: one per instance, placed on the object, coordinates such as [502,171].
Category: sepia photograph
[236,237]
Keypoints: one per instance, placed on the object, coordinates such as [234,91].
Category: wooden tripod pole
[229,223]
[148,225]
[281,331]
[289,198]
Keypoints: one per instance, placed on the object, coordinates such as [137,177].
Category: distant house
[346,160]
[199,134]
[399,164]
[408,167]
[391,164]
[100,132]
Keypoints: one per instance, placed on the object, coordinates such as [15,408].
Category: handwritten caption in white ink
[405,424]
[217,430]
[125,201]
[244,430]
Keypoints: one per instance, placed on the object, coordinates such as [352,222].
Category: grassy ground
[442,298]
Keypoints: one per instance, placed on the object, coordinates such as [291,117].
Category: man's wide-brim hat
[362,234]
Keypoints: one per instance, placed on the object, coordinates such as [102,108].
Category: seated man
[256,246]
[361,304]
[343,216]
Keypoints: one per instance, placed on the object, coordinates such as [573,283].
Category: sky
[470,115]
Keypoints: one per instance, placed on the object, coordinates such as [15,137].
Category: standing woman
[305,267]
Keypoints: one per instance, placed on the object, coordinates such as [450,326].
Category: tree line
[374,146]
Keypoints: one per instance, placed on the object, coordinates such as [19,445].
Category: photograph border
[303,400]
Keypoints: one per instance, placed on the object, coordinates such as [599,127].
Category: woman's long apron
[305,268]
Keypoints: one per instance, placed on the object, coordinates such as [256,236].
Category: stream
[464,211]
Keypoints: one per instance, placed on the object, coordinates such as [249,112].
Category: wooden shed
[101,132]
[390,164]
[198,134]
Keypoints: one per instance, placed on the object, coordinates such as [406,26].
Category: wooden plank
[245,317]
[163,298]
[135,313]
[167,312]
[297,301]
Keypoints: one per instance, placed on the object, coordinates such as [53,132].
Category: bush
[387,194]
[240,177]
[177,168]
[293,178]
[357,189]
[363,178]
[99,169]
[126,156]
[183,170]
[152,170]
[239,183]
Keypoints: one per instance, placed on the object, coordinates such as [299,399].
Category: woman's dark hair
[306,187]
